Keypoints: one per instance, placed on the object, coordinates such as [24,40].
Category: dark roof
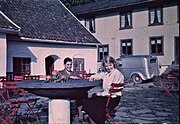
[109,5]
[7,26]
[46,20]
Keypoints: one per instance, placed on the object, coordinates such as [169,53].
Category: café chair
[31,77]
[43,77]
[18,78]
[17,97]
[88,75]
[82,74]
[2,78]
[7,111]
[113,89]
[169,84]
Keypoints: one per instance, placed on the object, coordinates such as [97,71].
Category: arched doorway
[49,63]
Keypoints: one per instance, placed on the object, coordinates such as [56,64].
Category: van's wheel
[136,78]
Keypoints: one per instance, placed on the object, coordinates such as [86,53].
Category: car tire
[136,79]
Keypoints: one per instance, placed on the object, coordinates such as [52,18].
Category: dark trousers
[95,107]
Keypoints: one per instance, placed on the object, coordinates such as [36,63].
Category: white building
[134,27]
[36,36]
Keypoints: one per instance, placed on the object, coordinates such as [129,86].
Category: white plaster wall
[38,52]
[3,49]
[107,27]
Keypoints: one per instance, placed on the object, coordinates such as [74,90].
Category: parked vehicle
[139,67]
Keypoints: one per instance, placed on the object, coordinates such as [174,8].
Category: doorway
[49,63]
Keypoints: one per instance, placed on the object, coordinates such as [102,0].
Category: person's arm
[97,76]
[74,75]
[116,77]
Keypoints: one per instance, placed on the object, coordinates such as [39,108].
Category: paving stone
[143,103]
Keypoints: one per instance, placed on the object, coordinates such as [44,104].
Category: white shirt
[115,76]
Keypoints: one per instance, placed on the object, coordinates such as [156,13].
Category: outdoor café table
[59,93]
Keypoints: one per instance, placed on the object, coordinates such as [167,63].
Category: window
[126,47]
[21,66]
[103,51]
[155,16]
[126,20]
[90,24]
[156,45]
[78,64]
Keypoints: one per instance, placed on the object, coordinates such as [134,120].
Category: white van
[139,67]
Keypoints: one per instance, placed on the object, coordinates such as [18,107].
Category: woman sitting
[95,106]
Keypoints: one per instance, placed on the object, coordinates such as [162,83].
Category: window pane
[159,46]
[153,42]
[129,52]
[90,24]
[152,16]
[125,20]
[126,47]
[93,24]
[124,50]
[21,65]
[100,49]
[87,23]
[105,49]
[123,44]
[78,64]
[128,44]
[101,56]
[158,41]
[156,46]
[129,19]
[122,20]
[105,54]
[159,15]
[153,47]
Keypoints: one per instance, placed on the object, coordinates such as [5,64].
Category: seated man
[67,73]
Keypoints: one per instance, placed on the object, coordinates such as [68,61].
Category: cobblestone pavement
[143,103]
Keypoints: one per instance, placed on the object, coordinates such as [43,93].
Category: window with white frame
[103,50]
[126,47]
[155,16]
[78,64]
[90,24]
[156,45]
[126,20]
